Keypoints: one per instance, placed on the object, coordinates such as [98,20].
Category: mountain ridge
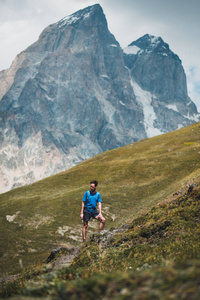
[75,71]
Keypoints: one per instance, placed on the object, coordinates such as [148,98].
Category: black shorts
[87,214]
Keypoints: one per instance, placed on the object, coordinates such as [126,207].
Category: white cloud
[22,21]
[194,85]
[16,36]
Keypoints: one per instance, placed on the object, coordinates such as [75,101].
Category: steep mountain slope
[159,83]
[132,179]
[70,96]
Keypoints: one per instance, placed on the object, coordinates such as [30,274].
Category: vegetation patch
[157,255]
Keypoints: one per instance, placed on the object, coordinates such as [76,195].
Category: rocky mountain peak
[73,31]
[73,94]
[94,11]
[148,44]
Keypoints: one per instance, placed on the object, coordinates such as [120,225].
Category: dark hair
[94,182]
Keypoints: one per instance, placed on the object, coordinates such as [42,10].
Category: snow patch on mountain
[154,40]
[80,15]
[145,99]
[180,126]
[68,20]
[113,45]
[122,103]
[72,19]
[104,76]
[173,107]
[131,50]
[194,118]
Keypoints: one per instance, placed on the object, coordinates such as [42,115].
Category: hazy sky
[176,21]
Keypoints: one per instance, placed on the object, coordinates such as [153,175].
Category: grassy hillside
[169,231]
[36,218]
[156,257]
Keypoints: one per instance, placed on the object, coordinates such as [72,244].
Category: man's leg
[84,229]
[102,222]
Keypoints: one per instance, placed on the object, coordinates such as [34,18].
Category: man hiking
[88,208]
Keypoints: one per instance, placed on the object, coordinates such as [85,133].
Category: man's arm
[82,208]
[83,205]
[100,206]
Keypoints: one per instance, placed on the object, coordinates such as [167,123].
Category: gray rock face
[158,71]
[74,94]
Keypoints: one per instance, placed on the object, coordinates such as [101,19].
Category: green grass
[169,231]
[157,257]
[132,179]
[168,282]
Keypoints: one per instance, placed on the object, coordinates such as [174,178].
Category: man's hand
[81,216]
[100,217]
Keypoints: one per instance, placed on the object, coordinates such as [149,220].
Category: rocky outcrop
[104,237]
[62,256]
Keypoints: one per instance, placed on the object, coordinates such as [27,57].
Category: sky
[176,21]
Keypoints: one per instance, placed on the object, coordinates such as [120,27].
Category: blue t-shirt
[91,200]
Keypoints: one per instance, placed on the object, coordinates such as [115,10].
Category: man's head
[93,186]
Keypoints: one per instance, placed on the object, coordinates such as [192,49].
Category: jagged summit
[148,41]
[147,44]
[81,27]
[82,15]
